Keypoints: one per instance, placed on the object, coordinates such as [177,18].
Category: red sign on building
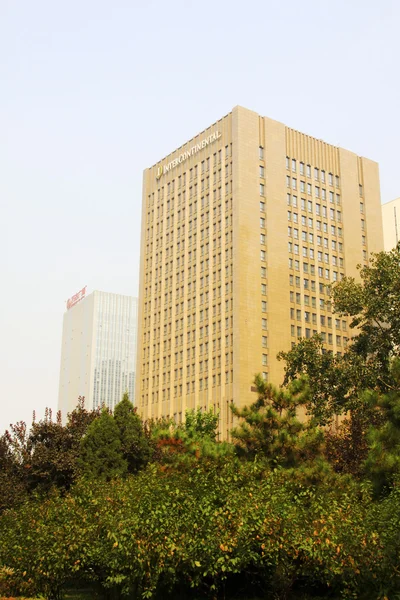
[76,298]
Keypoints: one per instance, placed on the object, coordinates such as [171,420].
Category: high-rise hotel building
[98,350]
[243,227]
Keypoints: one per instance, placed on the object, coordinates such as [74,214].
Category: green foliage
[199,423]
[374,306]
[191,441]
[336,382]
[333,381]
[271,429]
[101,454]
[135,444]
[44,456]
[156,532]
[382,465]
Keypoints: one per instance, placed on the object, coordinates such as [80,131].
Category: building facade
[243,227]
[98,353]
[391,224]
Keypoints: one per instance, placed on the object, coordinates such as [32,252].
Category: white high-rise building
[391,224]
[98,353]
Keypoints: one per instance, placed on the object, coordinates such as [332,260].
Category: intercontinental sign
[163,169]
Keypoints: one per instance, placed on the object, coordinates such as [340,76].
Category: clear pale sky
[94,91]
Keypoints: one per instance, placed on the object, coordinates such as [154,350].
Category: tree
[374,307]
[382,465]
[200,423]
[373,304]
[100,449]
[270,428]
[135,444]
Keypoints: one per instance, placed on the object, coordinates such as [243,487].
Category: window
[309,206]
[316,191]
[294,183]
[302,186]
[323,176]
[263,255]
[261,152]
[301,168]
[264,324]
[308,170]
[287,162]
[316,173]
[287,181]
[262,238]
[263,272]
[262,186]
[337,180]
[262,206]
[264,341]
[262,171]
[330,179]
[264,360]
[262,222]
[360,189]
[294,165]
[263,306]
[309,189]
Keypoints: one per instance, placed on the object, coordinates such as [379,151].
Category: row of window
[323,273]
[319,175]
[291,182]
[325,338]
[308,236]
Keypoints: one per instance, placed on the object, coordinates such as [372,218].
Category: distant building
[243,228]
[391,224]
[98,353]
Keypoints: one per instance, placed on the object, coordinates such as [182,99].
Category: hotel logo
[163,169]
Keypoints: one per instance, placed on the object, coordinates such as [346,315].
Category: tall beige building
[98,350]
[243,227]
[391,224]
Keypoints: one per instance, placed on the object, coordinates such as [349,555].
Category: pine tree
[270,428]
[100,453]
[383,463]
[135,445]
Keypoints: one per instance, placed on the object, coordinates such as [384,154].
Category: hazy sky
[94,91]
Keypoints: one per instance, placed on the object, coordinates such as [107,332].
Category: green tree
[100,449]
[373,305]
[136,446]
[382,465]
[200,423]
[270,428]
